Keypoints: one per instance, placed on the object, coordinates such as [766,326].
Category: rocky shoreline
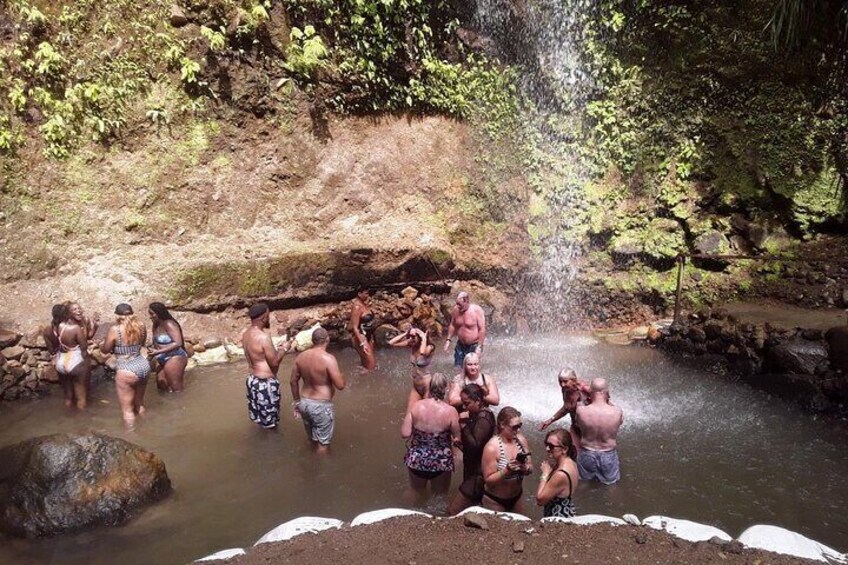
[807,365]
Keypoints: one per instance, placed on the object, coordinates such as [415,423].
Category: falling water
[545,40]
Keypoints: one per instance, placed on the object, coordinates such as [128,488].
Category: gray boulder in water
[64,482]
[797,357]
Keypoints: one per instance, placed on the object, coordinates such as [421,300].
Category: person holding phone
[506,461]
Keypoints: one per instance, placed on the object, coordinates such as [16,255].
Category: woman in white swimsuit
[68,346]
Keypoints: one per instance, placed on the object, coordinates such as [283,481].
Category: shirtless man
[574,393]
[263,360]
[468,324]
[599,423]
[321,377]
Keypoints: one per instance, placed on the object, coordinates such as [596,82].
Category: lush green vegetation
[84,70]
[701,111]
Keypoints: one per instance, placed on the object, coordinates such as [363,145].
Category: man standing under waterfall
[599,422]
[468,325]
[321,376]
[263,360]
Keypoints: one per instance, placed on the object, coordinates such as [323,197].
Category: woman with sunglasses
[559,475]
[506,461]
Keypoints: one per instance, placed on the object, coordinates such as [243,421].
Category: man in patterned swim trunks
[263,359]
[599,422]
[321,378]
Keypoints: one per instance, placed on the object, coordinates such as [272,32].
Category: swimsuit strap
[570,484]
[502,461]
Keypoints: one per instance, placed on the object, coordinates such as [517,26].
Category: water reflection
[693,445]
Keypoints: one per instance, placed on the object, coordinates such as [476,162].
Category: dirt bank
[413,540]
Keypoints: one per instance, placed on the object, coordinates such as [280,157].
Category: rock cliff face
[60,483]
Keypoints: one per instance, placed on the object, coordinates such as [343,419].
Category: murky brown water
[694,446]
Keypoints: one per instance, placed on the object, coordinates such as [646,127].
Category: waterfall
[545,40]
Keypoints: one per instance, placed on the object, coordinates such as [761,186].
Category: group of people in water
[70,333]
[446,420]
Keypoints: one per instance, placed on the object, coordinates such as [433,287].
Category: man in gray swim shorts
[321,378]
[599,422]
[319,419]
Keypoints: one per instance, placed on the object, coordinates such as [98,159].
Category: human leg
[174,372]
[458,503]
[441,484]
[138,398]
[80,381]
[125,387]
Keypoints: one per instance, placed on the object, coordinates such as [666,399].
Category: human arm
[426,348]
[453,392]
[451,330]
[91,325]
[294,384]
[481,329]
[525,468]
[400,340]
[284,349]
[406,427]
[336,376]
[109,342]
[359,337]
[49,340]
[454,427]
[557,415]
[175,333]
[489,465]
[81,340]
[492,397]
[270,354]
[551,484]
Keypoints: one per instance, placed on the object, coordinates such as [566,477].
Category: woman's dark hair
[506,414]
[361,289]
[60,313]
[162,313]
[565,440]
[474,392]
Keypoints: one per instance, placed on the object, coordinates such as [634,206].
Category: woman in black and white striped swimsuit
[125,340]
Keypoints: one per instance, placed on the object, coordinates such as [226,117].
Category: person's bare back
[599,424]
[320,374]
[260,353]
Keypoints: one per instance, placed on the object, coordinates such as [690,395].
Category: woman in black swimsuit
[559,475]
[478,425]
[362,325]
[506,461]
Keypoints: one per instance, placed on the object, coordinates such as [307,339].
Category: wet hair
[60,313]
[132,328]
[319,336]
[474,392]
[438,386]
[506,414]
[361,289]
[257,310]
[465,359]
[567,374]
[565,440]
[463,297]
[162,313]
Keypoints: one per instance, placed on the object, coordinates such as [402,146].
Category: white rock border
[587,519]
[686,529]
[502,515]
[298,526]
[379,515]
[787,542]
[223,554]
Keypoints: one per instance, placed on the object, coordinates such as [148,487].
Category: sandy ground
[415,540]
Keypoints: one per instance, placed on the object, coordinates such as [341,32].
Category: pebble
[475,521]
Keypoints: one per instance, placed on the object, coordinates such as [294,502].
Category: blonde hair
[133,329]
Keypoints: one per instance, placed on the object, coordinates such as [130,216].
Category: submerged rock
[65,482]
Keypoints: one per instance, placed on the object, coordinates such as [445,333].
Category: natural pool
[693,446]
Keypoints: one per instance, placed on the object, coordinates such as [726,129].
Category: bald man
[599,422]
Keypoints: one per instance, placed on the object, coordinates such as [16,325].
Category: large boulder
[798,357]
[65,482]
[837,342]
